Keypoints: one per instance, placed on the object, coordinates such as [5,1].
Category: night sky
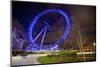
[83,19]
[25,12]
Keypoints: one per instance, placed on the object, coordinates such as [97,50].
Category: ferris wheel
[49,29]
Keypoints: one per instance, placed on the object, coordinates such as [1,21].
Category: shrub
[68,53]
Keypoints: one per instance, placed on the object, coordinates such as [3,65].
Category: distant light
[17,40]
[94,44]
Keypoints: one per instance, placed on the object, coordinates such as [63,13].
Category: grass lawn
[55,59]
[64,57]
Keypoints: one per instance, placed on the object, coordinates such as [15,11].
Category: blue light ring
[47,11]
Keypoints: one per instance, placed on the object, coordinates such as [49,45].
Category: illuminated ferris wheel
[48,30]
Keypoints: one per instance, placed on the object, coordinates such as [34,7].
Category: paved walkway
[29,59]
